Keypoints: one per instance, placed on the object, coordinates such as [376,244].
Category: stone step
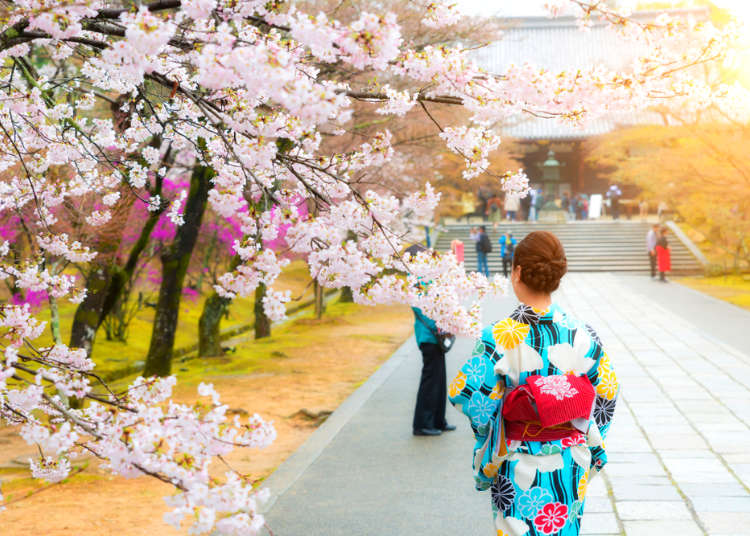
[589,247]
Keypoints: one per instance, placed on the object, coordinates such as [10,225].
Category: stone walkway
[679,446]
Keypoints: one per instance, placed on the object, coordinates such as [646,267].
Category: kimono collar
[529,315]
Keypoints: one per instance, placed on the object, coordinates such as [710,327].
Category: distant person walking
[584,207]
[429,413]
[614,194]
[643,209]
[474,234]
[526,203]
[483,248]
[572,207]
[512,206]
[507,247]
[532,197]
[661,209]
[663,255]
[652,237]
[538,203]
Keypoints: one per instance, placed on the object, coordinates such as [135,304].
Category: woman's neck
[540,302]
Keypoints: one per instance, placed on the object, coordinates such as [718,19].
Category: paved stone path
[679,446]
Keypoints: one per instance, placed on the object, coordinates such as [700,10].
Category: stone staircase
[591,246]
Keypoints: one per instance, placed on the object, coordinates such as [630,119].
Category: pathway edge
[292,468]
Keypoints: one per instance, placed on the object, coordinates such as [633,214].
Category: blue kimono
[537,488]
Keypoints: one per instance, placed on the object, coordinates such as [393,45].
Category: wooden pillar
[578,150]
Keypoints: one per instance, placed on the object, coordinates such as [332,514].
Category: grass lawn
[732,288]
[114,355]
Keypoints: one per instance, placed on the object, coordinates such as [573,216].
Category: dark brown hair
[542,260]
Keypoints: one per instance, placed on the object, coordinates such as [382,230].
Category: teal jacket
[421,330]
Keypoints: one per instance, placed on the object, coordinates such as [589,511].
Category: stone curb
[292,468]
[685,239]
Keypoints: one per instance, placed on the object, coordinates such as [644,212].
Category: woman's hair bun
[542,259]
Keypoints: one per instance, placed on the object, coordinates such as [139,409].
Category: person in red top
[663,255]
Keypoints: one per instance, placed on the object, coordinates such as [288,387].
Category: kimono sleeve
[477,392]
[603,378]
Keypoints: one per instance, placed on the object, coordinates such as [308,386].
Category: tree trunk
[204,267]
[89,313]
[346,295]
[105,284]
[54,322]
[209,334]
[346,292]
[262,322]
[209,324]
[175,261]
[320,305]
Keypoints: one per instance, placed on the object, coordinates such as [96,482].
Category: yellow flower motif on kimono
[604,365]
[509,333]
[607,386]
[497,392]
[490,470]
[458,383]
[582,484]
[501,533]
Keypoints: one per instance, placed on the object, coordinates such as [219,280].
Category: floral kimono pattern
[537,488]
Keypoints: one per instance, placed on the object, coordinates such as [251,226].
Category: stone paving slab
[679,446]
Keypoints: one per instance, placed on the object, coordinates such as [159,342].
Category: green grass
[731,288]
[268,354]
[113,356]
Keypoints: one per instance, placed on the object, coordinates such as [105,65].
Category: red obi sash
[542,409]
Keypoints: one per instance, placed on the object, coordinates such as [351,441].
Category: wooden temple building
[553,152]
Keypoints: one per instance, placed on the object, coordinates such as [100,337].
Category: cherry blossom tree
[244,97]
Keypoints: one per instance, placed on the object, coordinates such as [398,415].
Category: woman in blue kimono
[537,473]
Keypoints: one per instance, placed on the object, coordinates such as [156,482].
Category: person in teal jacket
[429,413]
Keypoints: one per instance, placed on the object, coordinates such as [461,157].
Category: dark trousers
[433,391]
[652,260]
[506,264]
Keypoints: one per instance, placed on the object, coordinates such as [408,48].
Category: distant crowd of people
[495,207]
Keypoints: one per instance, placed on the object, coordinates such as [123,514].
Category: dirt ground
[316,376]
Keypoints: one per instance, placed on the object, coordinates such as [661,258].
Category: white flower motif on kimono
[529,464]
[522,358]
[582,456]
[566,321]
[557,386]
[510,526]
[582,343]
[481,409]
[572,359]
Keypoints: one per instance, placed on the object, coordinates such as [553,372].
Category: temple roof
[559,44]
